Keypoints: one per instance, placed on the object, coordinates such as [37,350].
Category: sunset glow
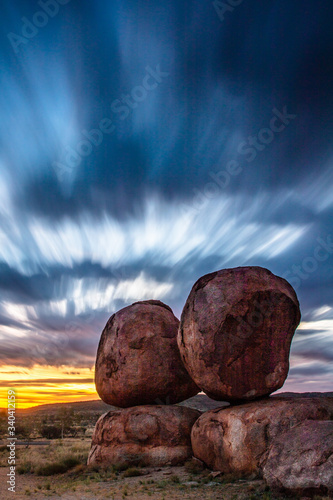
[47,385]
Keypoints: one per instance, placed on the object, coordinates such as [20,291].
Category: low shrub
[70,462]
[24,468]
[58,467]
[119,467]
[132,472]
[51,469]
[50,432]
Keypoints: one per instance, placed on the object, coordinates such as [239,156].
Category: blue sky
[144,144]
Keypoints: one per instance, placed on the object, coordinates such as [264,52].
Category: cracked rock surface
[300,462]
[238,438]
[143,435]
[235,333]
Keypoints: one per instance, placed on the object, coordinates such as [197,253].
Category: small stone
[216,474]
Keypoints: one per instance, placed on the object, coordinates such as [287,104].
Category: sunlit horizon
[43,385]
[40,385]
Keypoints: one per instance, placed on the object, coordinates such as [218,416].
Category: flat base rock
[300,461]
[143,435]
[238,438]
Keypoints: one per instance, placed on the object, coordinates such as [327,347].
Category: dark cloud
[53,283]
[5,321]
[315,347]
[14,285]
[49,350]
[307,371]
[281,57]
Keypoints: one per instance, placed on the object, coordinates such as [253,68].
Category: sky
[145,144]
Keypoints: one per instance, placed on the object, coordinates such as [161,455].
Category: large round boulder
[143,435]
[300,461]
[235,333]
[238,438]
[138,361]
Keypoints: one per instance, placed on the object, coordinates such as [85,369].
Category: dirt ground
[81,482]
[153,484]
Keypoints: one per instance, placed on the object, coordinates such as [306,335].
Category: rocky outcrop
[235,333]
[143,435]
[237,439]
[300,461]
[138,360]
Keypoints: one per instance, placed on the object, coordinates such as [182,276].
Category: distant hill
[200,402]
[304,394]
[92,407]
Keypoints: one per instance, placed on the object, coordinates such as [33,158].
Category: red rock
[300,461]
[138,360]
[237,439]
[143,435]
[235,333]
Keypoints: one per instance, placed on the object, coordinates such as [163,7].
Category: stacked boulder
[144,435]
[234,338]
[235,333]
[233,343]
[138,368]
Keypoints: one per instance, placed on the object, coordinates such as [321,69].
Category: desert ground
[37,478]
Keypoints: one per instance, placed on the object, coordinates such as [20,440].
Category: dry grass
[59,469]
[56,458]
